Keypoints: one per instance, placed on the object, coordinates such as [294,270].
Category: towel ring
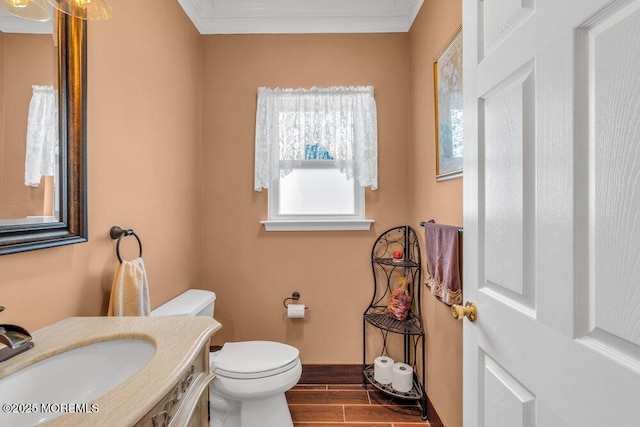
[118,233]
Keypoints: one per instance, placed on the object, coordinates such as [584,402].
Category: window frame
[315,222]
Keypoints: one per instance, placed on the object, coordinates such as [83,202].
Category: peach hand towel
[130,290]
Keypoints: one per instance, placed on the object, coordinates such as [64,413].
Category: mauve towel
[443,262]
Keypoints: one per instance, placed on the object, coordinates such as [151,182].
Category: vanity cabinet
[171,389]
[407,334]
[187,404]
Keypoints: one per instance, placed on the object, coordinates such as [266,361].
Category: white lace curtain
[297,124]
[42,136]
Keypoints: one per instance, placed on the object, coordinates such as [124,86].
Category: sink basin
[72,378]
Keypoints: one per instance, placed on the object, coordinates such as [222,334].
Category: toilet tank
[194,302]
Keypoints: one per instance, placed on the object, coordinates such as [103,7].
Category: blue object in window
[316,152]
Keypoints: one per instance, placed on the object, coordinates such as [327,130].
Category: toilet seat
[253,359]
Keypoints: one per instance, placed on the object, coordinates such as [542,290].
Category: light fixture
[35,10]
[91,10]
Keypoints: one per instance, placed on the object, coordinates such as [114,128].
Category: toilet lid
[253,359]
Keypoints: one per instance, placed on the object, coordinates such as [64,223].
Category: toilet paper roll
[382,369]
[402,377]
[295,311]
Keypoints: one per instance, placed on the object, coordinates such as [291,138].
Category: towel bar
[460,229]
[118,233]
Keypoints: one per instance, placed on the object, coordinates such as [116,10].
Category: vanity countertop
[177,340]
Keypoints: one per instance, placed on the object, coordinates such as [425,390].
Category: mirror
[29,155]
[63,220]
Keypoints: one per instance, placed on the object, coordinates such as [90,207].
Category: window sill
[318,225]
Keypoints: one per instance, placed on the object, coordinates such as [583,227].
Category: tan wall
[144,169]
[252,271]
[29,60]
[442,201]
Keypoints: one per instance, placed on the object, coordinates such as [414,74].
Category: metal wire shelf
[415,393]
[377,317]
[388,272]
[390,261]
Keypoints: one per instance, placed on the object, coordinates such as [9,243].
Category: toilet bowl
[251,376]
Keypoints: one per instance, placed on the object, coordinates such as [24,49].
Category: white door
[552,212]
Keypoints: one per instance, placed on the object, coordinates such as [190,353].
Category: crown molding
[301,16]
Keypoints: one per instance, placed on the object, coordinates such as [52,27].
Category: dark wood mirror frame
[72,78]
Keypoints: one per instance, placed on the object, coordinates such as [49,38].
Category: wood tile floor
[350,405]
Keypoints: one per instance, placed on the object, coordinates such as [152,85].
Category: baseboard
[350,374]
[432,415]
[331,374]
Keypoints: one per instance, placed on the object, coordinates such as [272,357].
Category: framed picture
[447,73]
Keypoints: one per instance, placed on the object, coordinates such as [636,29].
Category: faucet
[16,340]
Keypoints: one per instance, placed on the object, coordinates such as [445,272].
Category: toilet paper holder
[294,297]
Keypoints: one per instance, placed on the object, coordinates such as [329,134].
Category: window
[314,150]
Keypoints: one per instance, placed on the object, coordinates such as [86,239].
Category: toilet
[251,376]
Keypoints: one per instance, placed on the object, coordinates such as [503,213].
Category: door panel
[499,18]
[507,402]
[508,120]
[614,134]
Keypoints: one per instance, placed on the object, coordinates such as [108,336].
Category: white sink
[71,378]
